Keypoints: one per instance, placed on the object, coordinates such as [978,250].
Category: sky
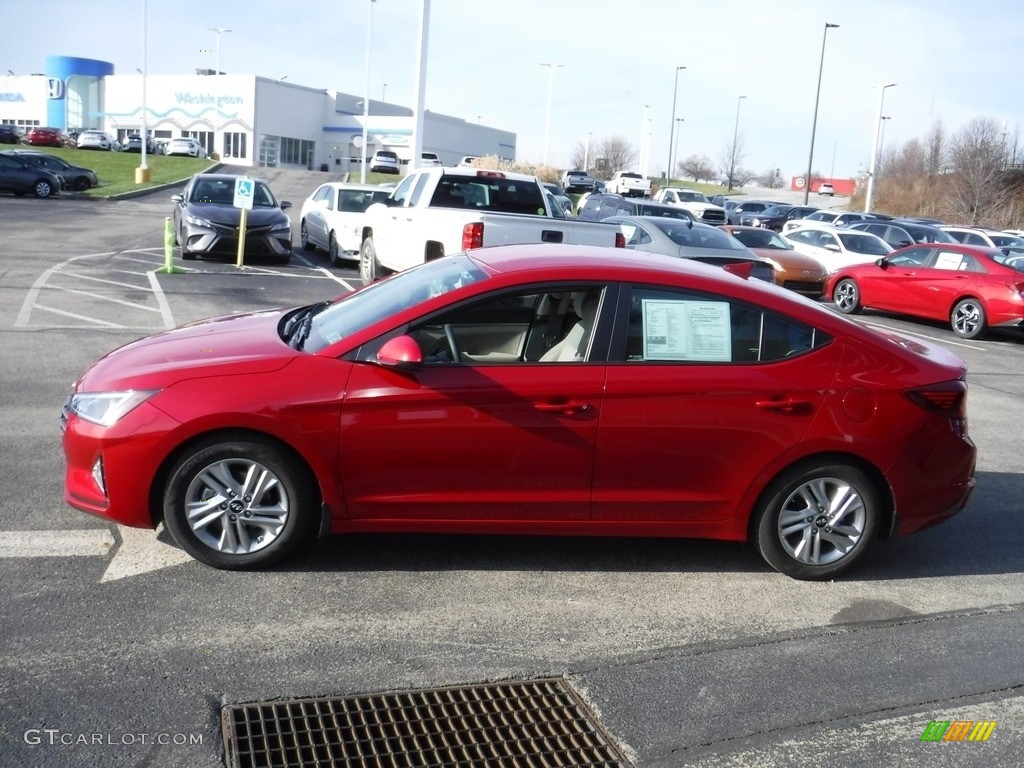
[952,61]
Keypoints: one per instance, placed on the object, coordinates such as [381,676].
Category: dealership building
[246,120]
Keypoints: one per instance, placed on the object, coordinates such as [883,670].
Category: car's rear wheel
[238,503]
[42,188]
[847,296]
[369,267]
[304,238]
[968,319]
[816,521]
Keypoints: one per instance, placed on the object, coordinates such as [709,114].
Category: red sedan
[548,389]
[45,137]
[973,288]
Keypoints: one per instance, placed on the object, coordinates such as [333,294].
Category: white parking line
[936,339]
[90,321]
[86,543]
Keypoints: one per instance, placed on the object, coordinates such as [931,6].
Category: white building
[246,120]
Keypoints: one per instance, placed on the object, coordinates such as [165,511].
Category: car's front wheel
[238,504]
[369,267]
[968,319]
[304,240]
[81,184]
[333,251]
[42,188]
[847,296]
[816,521]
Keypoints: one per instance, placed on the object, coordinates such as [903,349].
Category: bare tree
[614,154]
[976,159]
[731,157]
[770,179]
[697,167]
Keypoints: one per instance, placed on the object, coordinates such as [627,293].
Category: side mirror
[401,353]
[177,199]
[882,262]
[285,205]
[832,247]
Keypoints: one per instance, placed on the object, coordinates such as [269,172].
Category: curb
[133,193]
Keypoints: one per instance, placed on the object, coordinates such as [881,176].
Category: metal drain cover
[526,724]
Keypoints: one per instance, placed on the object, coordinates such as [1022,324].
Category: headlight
[284,226]
[197,221]
[107,408]
[755,222]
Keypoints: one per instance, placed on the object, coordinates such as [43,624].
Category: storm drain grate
[526,724]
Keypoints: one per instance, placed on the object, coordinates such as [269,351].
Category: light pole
[384,92]
[366,92]
[881,142]
[672,125]
[220,31]
[586,153]
[735,138]
[142,173]
[814,123]
[676,152]
[874,147]
[551,90]
[832,174]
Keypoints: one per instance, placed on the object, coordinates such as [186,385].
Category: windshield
[777,210]
[700,237]
[760,238]
[869,245]
[382,300]
[1007,241]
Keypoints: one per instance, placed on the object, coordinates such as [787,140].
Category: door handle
[784,405]
[570,407]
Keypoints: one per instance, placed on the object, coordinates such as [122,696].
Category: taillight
[620,240]
[473,236]
[947,399]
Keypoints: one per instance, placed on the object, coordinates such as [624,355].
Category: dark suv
[600,207]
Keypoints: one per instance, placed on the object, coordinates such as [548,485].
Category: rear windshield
[491,193]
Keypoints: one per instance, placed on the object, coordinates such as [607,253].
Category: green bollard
[168,268]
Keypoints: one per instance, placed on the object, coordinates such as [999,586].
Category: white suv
[384,161]
[985,237]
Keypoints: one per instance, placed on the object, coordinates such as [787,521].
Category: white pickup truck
[439,211]
[629,184]
[693,201]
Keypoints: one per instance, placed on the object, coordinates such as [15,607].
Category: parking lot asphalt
[689,652]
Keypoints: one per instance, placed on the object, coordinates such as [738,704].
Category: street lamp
[142,173]
[735,138]
[814,124]
[384,92]
[881,142]
[672,125]
[220,31]
[676,153]
[547,122]
[366,92]
[586,153]
[874,147]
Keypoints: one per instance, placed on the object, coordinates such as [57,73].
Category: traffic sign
[243,193]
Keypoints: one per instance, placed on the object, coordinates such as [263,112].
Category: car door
[702,395]
[498,436]
[895,286]
[942,279]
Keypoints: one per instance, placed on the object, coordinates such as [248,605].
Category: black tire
[333,251]
[81,184]
[847,296]
[42,188]
[968,319]
[816,521]
[217,478]
[369,268]
[304,238]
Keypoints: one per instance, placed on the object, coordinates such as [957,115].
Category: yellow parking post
[168,268]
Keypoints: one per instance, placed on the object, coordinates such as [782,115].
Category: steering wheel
[450,335]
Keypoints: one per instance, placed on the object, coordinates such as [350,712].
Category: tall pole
[421,82]
[676,152]
[881,143]
[366,92]
[814,123]
[551,90]
[835,146]
[220,31]
[145,56]
[586,153]
[874,147]
[672,126]
[735,138]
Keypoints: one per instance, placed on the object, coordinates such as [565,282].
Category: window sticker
[949,260]
[687,330]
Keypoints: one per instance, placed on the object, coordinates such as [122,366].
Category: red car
[549,389]
[45,137]
[973,288]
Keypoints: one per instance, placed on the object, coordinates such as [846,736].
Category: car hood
[219,213]
[247,343]
[791,259]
